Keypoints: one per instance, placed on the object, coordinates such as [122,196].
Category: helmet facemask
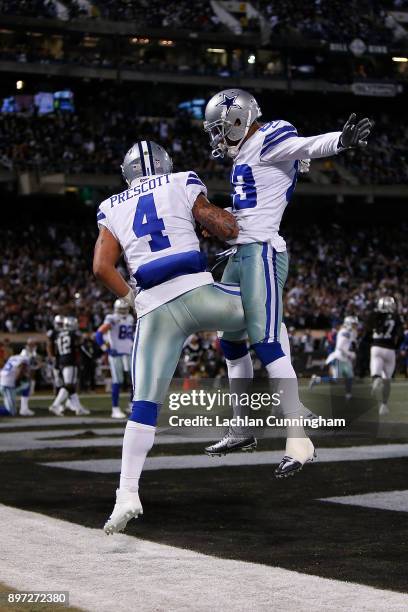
[220,130]
[387,304]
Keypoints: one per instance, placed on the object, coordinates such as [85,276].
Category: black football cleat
[231,443]
[289,466]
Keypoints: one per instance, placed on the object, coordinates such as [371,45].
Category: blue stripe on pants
[268,290]
[133,365]
[275,277]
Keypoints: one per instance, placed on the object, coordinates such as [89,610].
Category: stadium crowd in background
[318,19]
[87,142]
[48,271]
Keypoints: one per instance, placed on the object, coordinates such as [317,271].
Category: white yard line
[53,421]
[178,462]
[42,439]
[124,573]
[383,500]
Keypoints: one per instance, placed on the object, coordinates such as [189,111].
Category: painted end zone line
[383,500]
[179,462]
[124,573]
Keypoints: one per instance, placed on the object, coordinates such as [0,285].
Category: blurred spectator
[96,142]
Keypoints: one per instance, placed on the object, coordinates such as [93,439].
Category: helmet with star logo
[228,117]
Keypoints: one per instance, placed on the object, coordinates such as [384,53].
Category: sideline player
[266,162]
[342,358]
[15,380]
[52,334]
[386,332]
[153,223]
[118,327]
[65,348]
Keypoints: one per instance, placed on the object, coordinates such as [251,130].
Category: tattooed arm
[218,222]
[106,256]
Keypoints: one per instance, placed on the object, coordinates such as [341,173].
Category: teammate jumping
[266,161]
[153,223]
[118,328]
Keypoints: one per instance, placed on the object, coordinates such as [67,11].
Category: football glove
[355,134]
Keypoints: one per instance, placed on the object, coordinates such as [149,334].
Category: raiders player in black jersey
[63,345]
[51,353]
[385,331]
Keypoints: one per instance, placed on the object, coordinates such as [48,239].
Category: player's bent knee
[233,350]
[268,351]
[144,412]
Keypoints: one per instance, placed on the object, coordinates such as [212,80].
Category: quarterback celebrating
[118,327]
[264,173]
[153,223]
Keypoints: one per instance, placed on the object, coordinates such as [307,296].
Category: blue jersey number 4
[244,187]
[147,223]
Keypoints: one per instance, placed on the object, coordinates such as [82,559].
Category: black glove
[355,134]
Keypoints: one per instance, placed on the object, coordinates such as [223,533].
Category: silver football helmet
[121,307]
[229,115]
[58,322]
[387,304]
[350,322]
[145,158]
[30,349]
[70,323]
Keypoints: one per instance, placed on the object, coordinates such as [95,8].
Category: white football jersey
[120,334]
[154,224]
[264,178]
[8,374]
[344,342]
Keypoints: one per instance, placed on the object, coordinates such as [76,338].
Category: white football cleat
[127,506]
[70,405]
[117,413]
[298,452]
[26,412]
[57,409]
[82,411]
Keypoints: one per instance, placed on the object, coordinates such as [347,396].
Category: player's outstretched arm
[106,256]
[291,147]
[217,221]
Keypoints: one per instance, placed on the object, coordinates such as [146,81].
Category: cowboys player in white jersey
[15,380]
[153,223]
[341,360]
[115,336]
[266,160]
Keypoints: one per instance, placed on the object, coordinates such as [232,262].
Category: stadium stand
[329,277]
[96,143]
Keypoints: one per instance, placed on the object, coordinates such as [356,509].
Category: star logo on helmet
[228,102]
